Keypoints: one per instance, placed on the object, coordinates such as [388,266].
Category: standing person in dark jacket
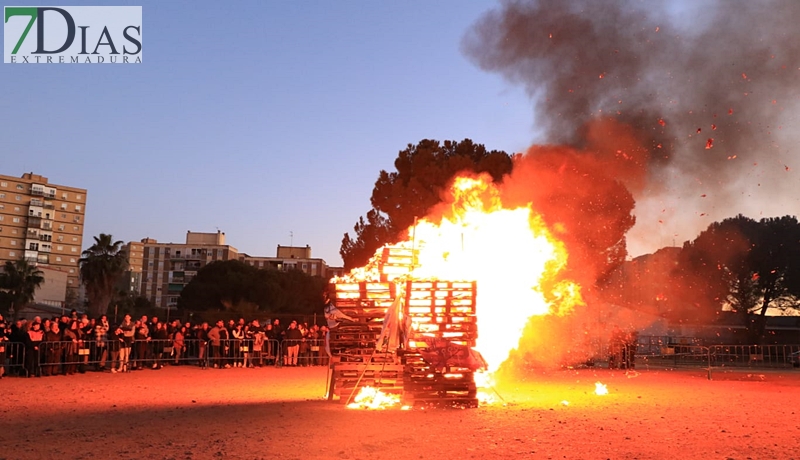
[32,356]
[160,341]
[225,345]
[18,336]
[71,336]
[142,344]
[214,342]
[292,340]
[114,344]
[202,343]
[53,350]
[270,344]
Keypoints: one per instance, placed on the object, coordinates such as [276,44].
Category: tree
[423,172]
[750,266]
[233,287]
[102,266]
[19,281]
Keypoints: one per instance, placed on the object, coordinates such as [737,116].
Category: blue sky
[258,118]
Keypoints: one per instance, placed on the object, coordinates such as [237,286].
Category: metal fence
[12,358]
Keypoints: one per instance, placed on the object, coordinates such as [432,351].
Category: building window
[74,239]
[3,184]
[2,217]
[60,228]
[2,195]
[18,198]
[63,206]
[63,216]
[13,242]
[74,249]
[72,270]
[2,206]
[64,196]
[12,254]
[78,208]
[60,238]
[72,260]
[33,246]
[59,248]
[69,281]
[20,187]
[15,220]
[16,208]
[78,197]
[75,228]
[58,259]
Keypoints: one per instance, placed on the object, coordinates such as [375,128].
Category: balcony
[37,192]
[32,234]
[35,202]
[187,256]
[49,206]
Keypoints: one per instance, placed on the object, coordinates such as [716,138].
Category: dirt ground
[188,413]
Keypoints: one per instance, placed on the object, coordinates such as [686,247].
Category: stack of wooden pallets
[367,304]
[443,326]
[396,262]
[440,325]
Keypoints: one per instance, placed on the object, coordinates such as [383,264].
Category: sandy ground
[188,413]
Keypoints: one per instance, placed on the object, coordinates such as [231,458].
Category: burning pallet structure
[431,363]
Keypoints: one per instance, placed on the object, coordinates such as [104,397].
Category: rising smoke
[710,90]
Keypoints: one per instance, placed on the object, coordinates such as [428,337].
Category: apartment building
[43,223]
[289,258]
[132,281]
[166,268]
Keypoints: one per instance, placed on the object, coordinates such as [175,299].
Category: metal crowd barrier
[304,352]
[12,358]
[768,356]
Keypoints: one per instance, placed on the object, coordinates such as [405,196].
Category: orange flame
[509,252]
[600,389]
[373,398]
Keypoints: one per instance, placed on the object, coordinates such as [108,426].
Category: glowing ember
[373,398]
[509,252]
[600,389]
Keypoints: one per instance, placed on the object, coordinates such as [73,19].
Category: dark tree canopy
[423,171]
[233,286]
[749,265]
[102,267]
[18,283]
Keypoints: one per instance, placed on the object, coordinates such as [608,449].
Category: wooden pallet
[448,386]
[348,378]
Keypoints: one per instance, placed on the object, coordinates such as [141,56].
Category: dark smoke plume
[711,90]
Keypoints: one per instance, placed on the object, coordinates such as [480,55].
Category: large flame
[509,252]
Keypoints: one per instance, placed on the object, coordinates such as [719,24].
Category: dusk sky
[256,118]
[264,119]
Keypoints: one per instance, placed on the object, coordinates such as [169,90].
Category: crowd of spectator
[76,343]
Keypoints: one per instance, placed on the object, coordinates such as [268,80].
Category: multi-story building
[160,271]
[166,268]
[43,223]
[132,281]
[289,258]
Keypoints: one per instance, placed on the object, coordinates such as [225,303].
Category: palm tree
[102,267]
[20,279]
